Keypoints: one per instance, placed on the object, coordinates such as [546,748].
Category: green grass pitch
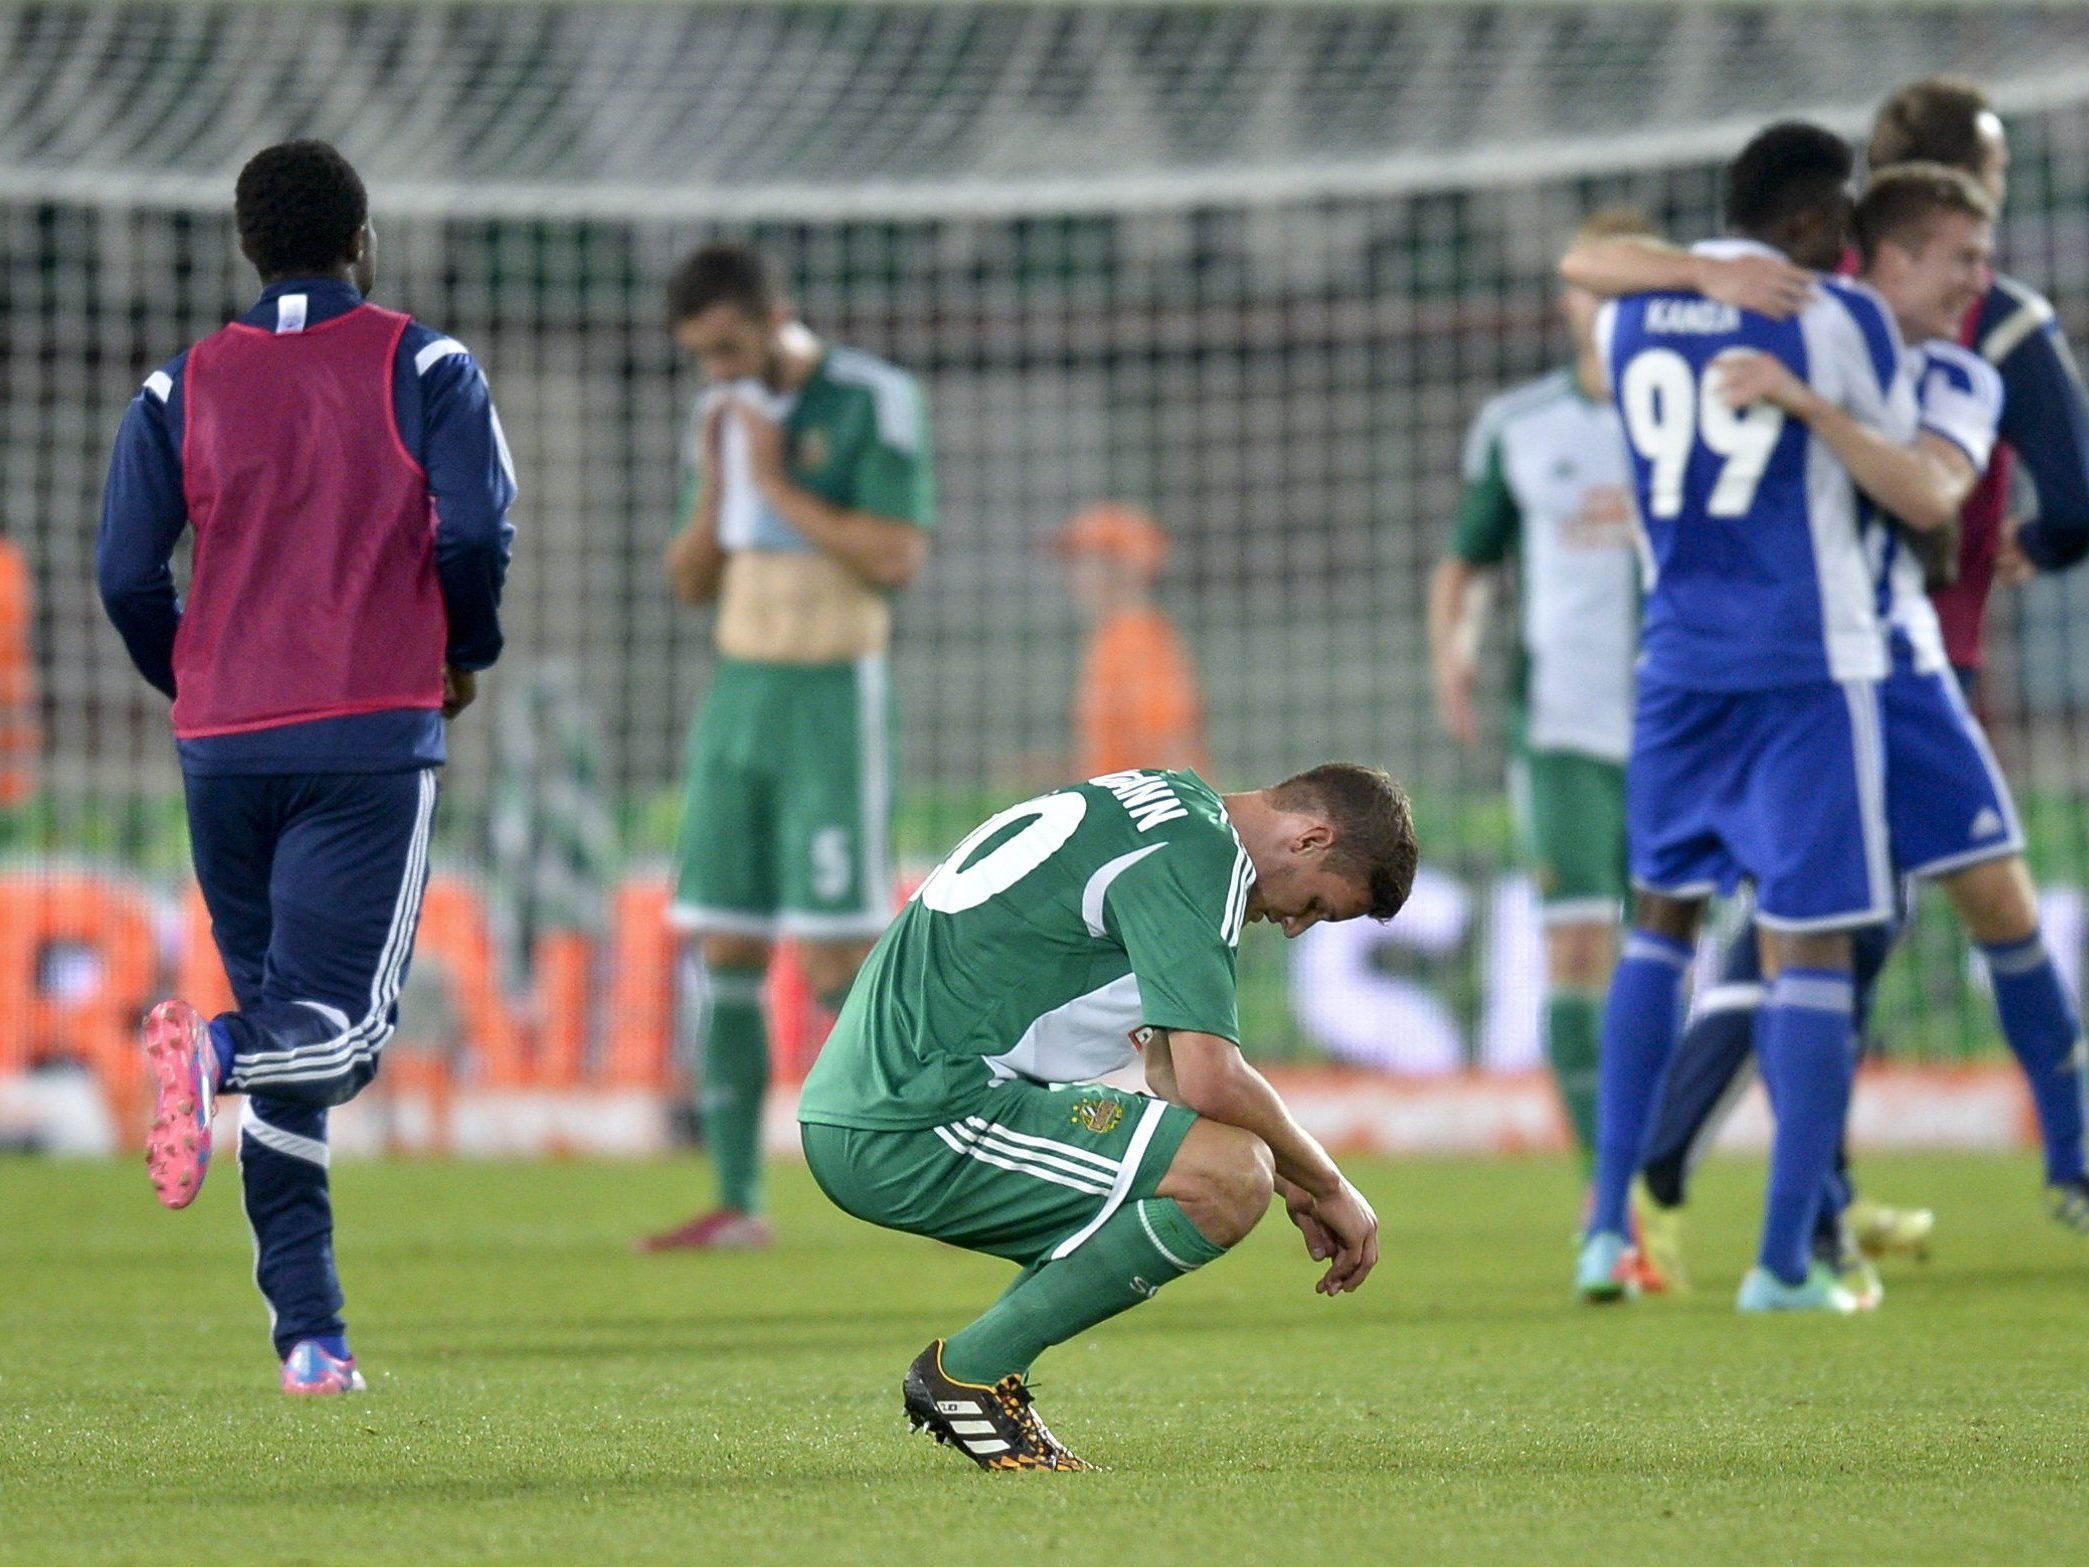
[541,1394]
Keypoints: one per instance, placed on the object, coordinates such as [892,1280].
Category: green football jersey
[855,434]
[1044,948]
[1548,477]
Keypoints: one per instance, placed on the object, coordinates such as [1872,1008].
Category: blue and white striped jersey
[1756,569]
[1959,396]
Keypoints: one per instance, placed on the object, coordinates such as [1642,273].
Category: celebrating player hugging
[1922,235]
[1756,744]
[1063,940]
[1709,392]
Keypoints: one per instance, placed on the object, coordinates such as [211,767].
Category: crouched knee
[1223,1178]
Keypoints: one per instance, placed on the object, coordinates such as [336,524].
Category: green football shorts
[1570,814]
[1029,1174]
[787,826]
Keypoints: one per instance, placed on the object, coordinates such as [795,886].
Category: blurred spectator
[20,736]
[1138,703]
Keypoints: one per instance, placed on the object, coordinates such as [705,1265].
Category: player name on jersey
[1146,796]
[1692,315]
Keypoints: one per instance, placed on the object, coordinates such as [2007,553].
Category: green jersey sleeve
[1485,531]
[896,476]
[1177,913]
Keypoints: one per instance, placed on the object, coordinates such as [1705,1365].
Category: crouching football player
[956,1098]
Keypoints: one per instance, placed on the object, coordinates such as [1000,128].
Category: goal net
[1250,268]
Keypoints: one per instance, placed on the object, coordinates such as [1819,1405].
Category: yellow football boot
[1660,1239]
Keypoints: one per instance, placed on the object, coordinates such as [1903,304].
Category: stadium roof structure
[826,111]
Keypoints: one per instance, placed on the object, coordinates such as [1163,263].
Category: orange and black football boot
[996,1427]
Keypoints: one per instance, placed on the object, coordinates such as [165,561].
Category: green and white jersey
[1044,948]
[1547,477]
[856,434]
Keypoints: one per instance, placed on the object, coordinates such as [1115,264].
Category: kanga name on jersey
[1044,948]
[1757,572]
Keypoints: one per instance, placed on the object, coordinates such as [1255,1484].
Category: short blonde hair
[1903,199]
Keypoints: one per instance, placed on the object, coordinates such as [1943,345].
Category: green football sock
[736,1075]
[1141,1247]
[1573,1035]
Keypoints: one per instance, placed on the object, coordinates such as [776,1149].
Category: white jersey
[1959,396]
[1547,475]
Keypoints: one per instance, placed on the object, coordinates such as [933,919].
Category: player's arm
[2044,419]
[694,562]
[1460,594]
[1923,485]
[1461,590]
[885,551]
[1207,1074]
[1614,265]
[1177,912]
[471,484]
[143,515]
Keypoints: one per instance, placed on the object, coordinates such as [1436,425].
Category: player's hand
[1454,683]
[1298,1207]
[1350,1224]
[459,688]
[1768,285]
[1320,1242]
[1747,377]
[2013,568]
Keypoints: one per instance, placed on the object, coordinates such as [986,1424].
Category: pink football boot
[185,1076]
[308,1370]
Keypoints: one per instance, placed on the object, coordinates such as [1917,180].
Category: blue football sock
[1640,1024]
[221,1051]
[335,1344]
[2040,1024]
[1804,1040]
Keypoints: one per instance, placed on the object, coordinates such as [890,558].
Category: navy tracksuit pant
[314,883]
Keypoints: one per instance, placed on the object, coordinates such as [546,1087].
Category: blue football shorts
[1785,787]
[1946,801]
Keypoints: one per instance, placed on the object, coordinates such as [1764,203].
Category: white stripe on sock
[1159,1245]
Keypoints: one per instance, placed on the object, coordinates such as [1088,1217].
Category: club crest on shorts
[1098,1115]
